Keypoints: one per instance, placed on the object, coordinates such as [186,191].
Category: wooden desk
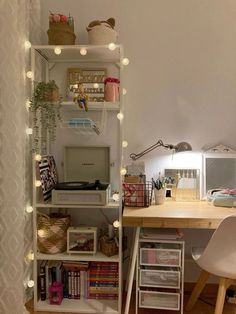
[177,215]
[171,214]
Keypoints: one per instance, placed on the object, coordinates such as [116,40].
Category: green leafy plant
[45,108]
[159,183]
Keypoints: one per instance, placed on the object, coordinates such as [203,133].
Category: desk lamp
[180,147]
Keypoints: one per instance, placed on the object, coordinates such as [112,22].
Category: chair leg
[197,290]
[223,286]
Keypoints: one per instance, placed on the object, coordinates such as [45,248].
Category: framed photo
[92,79]
[48,175]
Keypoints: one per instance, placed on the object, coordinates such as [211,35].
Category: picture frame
[92,80]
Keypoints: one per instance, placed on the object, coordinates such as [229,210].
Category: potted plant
[45,108]
[159,187]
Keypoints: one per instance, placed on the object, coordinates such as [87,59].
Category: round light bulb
[124,91]
[125,61]
[30,283]
[120,116]
[29,131]
[116,197]
[30,255]
[37,183]
[27,44]
[124,144]
[57,50]
[83,51]
[41,233]
[27,104]
[116,224]
[123,171]
[29,209]
[38,157]
[95,85]
[112,46]
[29,74]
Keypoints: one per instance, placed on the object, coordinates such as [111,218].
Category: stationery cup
[159,196]
[111,92]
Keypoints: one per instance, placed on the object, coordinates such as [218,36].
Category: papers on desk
[161,234]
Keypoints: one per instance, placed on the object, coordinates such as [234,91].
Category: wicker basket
[102,35]
[52,233]
[51,96]
[107,246]
[61,34]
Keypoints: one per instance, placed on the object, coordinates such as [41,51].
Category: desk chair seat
[218,258]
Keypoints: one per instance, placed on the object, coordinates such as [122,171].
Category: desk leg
[132,269]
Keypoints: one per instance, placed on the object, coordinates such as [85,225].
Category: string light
[29,74]
[29,209]
[120,116]
[37,183]
[30,283]
[112,46]
[116,224]
[83,51]
[27,104]
[29,131]
[124,144]
[30,256]
[38,157]
[124,91]
[125,61]
[57,50]
[123,171]
[27,44]
[41,233]
[116,197]
[95,85]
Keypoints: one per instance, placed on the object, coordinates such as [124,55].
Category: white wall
[181,79]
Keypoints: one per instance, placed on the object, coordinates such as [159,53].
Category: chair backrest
[219,257]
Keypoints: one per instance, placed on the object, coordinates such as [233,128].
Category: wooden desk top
[173,214]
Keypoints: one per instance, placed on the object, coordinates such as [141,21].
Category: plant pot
[159,196]
[61,34]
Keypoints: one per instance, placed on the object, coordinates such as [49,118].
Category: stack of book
[103,280]
[74,279]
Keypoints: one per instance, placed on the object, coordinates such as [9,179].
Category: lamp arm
[159,143]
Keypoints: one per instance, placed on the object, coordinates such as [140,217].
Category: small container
[111,89]
[55,293]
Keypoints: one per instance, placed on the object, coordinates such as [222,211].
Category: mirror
[219,170]
[182,184]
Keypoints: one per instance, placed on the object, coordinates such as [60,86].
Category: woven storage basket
[108,247]
[51,95]
[60,34]
[52,233]
[102,35]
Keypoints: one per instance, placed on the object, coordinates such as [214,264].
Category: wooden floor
[200,308]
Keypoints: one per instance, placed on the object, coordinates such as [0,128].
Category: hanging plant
[45,108]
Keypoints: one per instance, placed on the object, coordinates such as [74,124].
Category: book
[42,281]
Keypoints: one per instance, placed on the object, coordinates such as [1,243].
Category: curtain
[15,158]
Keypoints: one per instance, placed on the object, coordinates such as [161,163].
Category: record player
[87,176]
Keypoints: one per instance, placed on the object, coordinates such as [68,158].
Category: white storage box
[82,240]
[159,300]
[161,257]
[159,278]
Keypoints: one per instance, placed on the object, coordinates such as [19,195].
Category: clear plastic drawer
[159,300]
[162,257]
[159,278]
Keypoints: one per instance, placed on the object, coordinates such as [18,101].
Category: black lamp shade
[182,147]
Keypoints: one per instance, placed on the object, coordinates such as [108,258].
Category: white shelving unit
[71,55]
[160,275]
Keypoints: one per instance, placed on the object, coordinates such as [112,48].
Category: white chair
[218,258]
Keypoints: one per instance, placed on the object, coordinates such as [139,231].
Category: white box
[85,197]
[82,240]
